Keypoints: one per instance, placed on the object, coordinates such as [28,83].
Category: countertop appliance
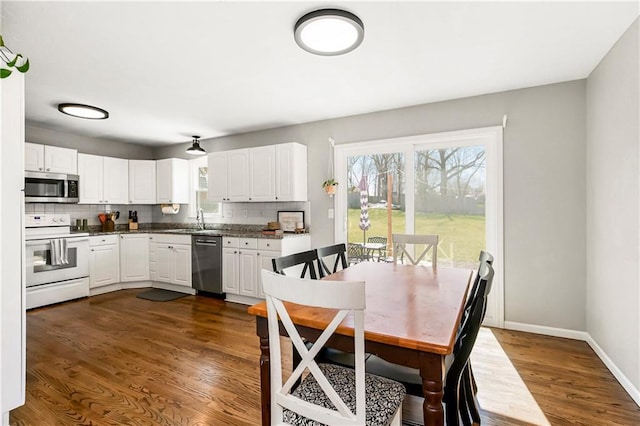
[40,187]
[56,261]
[206,264]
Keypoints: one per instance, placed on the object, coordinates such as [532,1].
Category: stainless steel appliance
[42,187]
[206,264]
[57,261]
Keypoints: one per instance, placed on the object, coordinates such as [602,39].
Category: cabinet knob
[106,201]
[92,249]
[48,169]
[276,198]
[169,200]
[249,198]
[39,168]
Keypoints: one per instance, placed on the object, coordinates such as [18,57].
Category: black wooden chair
[337,250]
[458,387]
[306,259]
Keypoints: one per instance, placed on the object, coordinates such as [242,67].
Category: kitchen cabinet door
[262,164]
[248,276]
[163,262]
[291,172]
[115,181]
[142,182]
[172,181]
[181,265]
[60,160]
[217,176]
[104,264]
[265,259]
[90,170]
[134,257]
[33,157]
[230,270]
[238,175]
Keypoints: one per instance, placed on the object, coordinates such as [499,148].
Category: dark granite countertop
[241,233]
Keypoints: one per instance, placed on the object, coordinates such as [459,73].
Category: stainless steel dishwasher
[206,264]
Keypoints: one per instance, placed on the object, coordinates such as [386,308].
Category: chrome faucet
[200,219]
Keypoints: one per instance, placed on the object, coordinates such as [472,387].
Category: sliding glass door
[449,184]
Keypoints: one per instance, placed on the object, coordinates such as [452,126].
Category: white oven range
[57,261]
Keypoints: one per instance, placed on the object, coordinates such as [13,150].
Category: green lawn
[461,236]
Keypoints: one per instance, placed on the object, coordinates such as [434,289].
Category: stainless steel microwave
[42,187]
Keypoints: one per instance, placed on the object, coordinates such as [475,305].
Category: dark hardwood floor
[118,360]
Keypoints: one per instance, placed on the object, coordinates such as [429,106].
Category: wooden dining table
[411,318]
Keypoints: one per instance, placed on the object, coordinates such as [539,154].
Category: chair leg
[462,402]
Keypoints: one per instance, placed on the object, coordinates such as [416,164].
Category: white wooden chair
[329,394]
[400,242]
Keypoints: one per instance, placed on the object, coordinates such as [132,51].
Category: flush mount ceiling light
[195,148]
[83,111]
[329,32]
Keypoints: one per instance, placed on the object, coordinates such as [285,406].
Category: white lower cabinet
[104,261]
[244,258]
[134,257]
[170,259]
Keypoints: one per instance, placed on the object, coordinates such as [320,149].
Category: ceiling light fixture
[83,111]
[195,148]
[329,32]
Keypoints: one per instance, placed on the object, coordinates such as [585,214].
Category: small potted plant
[329,186]
[11,61]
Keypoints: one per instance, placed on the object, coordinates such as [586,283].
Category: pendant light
[195,148]
[329,32]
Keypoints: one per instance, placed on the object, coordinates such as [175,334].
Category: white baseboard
[633,392]
[547,331]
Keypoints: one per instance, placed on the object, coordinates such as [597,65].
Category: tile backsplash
[91,211]
[232,213]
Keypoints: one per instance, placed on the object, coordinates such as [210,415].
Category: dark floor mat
[160,295]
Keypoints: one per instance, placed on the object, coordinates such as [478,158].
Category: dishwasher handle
[206,243]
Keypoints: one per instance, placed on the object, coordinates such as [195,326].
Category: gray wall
[544,184]
[613,218]
[88,145]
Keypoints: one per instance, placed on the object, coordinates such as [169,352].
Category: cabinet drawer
[103,240]
[170,239]
[230,242]
[269,244]
[248,243]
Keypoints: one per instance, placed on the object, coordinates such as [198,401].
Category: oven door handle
[70,240]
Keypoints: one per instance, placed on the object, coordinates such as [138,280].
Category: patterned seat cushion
[383,396]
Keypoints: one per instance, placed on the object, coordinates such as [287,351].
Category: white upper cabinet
[291,172]
[172,181]
[51,159]
[142,182]
[238,175]
[266,173]
[33,157]
[228,175]
[103,180]
[217,176]
[262,172]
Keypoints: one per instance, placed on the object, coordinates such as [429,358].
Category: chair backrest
[306,258]
[381,240]
[468,333]
[344,296]
[337,250]
[355,252]
[400,242]
[485,257]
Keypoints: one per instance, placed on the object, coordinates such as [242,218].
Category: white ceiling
[168,70]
